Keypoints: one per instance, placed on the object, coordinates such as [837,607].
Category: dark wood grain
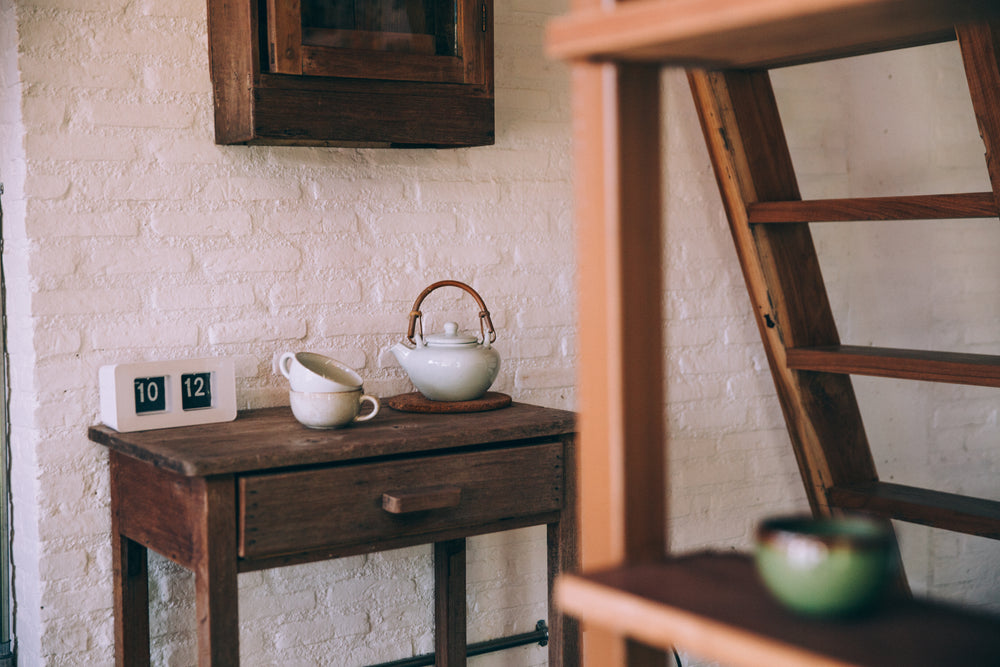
[715,605]
[449,604]
[284,36]
[369,40]
[964,514]
[416,402]
[216,602]
[325,61]
[341,550]
[294,511]
[431,117]
[131,585]
[272,438]
[563,553]
[980,44]
[915,207]
[352,108]
[340,58]
[509,466]
[408,501]
[232,55]
[162,508]
[951,367]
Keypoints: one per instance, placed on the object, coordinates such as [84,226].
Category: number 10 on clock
[150,394]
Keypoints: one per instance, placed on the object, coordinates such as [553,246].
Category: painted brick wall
[129,235]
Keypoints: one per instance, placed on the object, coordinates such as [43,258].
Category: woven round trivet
[416,402]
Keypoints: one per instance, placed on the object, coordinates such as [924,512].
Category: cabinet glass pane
[425,27]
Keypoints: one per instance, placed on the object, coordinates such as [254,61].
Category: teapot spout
[402,353]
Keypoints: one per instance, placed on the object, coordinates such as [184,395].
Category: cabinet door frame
[254,106]
[290,50]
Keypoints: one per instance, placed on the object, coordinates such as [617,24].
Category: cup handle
[375,407]
[285,364]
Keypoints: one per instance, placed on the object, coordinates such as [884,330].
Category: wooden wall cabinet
[367,73]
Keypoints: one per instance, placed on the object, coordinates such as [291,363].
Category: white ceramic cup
[311,372]
[331,409]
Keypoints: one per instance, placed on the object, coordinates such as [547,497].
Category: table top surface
[271,438]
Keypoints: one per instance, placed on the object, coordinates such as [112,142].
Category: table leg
[449,603]
[130,583]
[563,556]
[131,592]
[564,631]
[216,591]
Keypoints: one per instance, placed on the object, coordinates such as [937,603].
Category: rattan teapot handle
[485,324]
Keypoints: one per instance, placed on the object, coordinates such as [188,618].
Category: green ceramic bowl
[826,567]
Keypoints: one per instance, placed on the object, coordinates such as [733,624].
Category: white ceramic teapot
[449,366]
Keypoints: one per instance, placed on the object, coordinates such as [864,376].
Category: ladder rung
[963,514]
[952,367]
[914,207]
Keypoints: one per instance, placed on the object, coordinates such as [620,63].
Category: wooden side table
[263,491]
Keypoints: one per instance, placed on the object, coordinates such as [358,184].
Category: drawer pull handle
[422,499]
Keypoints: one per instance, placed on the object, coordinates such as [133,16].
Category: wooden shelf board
[766,33]
[951,367]
[915,207]
[964,514]
[713,605]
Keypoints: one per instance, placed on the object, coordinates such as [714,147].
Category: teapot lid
[451,336]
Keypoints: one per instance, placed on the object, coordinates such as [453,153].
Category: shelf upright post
[622,445]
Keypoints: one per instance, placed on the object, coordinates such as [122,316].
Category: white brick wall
[130,235]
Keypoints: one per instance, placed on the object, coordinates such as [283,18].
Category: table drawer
[291,512]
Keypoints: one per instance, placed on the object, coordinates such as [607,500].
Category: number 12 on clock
[196,391]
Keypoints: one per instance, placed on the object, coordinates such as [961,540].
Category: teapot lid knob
[451,336]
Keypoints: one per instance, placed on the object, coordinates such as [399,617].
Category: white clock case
[118,398]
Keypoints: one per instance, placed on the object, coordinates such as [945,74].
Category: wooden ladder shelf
[810,366]
[712,604]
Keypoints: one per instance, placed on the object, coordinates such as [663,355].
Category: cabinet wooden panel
[283,77]
[342,505]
